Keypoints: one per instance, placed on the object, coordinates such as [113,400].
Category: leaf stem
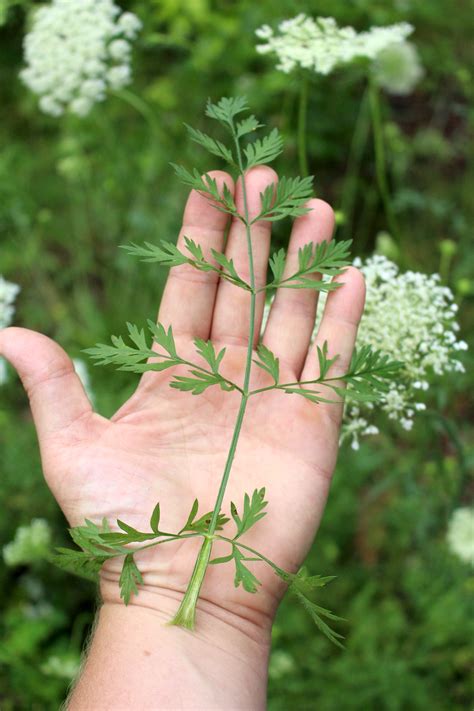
[260,556]
[185,616]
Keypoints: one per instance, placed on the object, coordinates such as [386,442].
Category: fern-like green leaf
[252,512]
[264,150]
[207,351]
[215,147]
[266,360]
[246,126]
[165,253]
[244,576]
[226,109]
[130,579]
[286,198]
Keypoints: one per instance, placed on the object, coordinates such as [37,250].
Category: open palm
[168,446]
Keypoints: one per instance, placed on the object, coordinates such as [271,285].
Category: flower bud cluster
[76,51]
[320,45]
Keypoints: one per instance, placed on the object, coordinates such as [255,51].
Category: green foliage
[216,148]
[285,199]
[327,258]
[252,511]
[207,186]
[130,578]
[207,351]
[168,255]
[226,110]
[201,525]
[324,361]
[366,376]
[266,360]
[74,190]
[244,576]
[265,150]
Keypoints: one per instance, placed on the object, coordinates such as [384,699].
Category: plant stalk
[186,614]
[302,120]
[380,159]
[356,151]
[137,103]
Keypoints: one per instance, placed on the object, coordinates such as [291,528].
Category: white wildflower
[31,543]
[119,76]
[8,294]
[460,536]
[397,68]
[81,369]
[409,316]
[75,52]
[320,45]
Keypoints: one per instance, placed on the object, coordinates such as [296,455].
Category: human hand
[164,445]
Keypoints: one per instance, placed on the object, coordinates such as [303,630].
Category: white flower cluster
[460,536]
[31,543]
[8,294]
[410,317]
[76,51]
[397,68]
[320,45]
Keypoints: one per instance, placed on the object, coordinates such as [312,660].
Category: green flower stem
[186,614]
[302,120]
[356,151]
[380,159]
[148,115]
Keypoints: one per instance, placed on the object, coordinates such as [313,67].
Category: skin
[168,446]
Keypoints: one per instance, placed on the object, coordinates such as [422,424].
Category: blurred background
[74,188]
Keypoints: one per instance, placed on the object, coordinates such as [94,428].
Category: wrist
[213,620]
[139,661]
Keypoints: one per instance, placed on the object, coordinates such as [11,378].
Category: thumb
[56,394]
